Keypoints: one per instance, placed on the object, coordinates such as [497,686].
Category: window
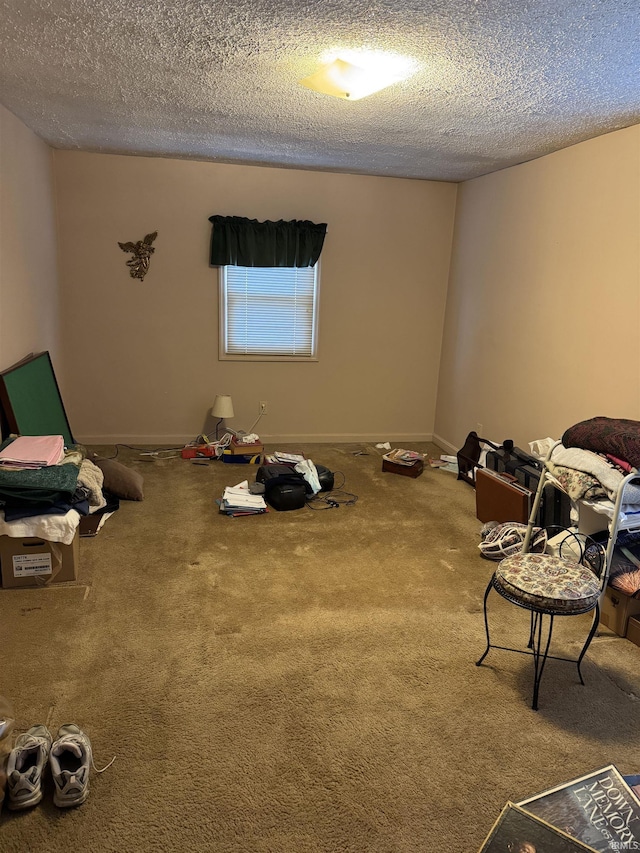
[269,313]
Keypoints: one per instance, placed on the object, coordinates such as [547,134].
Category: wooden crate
[404,470]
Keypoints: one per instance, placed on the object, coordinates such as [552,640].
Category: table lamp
[222,408]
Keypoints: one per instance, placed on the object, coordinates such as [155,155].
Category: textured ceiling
[498,82]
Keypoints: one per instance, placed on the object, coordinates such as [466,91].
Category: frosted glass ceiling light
[343,79]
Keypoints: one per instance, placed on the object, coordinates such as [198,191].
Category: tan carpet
[299,681]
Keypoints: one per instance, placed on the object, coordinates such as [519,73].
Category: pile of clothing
[595,457]
[592,463]
[45,488]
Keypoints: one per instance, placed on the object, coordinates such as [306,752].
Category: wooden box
[405,470]
[237,448]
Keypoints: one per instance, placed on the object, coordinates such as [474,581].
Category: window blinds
[270,311]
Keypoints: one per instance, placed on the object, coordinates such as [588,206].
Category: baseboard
[344,438]
[135,440]
[445,445]
[295,438]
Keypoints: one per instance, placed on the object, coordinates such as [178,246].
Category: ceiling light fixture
[343,79]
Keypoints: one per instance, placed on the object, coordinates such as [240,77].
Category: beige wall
[141,357]
[543,307]
[28,274]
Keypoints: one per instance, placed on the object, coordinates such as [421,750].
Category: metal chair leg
[538,662]
[532,629]
[486,622]
[536,643]
[592,632]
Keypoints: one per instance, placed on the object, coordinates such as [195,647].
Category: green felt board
[31,399]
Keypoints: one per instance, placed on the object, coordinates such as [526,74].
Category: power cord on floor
[174,452]
[143,451]
[166,453]
[333,499]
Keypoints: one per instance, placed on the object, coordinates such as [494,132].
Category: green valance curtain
[241,242]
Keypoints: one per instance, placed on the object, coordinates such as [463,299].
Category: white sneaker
[25,767]
[71,761]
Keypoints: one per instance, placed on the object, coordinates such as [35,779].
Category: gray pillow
[121,481]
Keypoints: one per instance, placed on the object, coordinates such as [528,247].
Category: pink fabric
[621,463]
[33,451]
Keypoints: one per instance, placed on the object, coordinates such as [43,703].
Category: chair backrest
[569,544]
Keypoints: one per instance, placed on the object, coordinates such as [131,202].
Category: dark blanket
[616,436]
[39,486]
[16,513]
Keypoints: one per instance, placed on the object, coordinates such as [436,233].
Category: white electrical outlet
[263,407]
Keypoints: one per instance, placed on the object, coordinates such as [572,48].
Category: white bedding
[54,528]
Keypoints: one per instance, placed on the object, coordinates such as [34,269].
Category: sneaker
[71,760]
[25,767]
[6,724]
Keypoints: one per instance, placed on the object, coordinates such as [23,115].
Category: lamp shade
[222,406]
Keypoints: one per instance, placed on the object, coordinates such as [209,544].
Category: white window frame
[223,353]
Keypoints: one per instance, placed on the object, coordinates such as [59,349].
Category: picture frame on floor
[517,831]
[599,809]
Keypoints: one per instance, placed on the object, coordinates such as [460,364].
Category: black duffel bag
[274,474]
[286,489]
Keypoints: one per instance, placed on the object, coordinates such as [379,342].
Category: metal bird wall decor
[142,251]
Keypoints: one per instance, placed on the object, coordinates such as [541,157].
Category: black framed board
[31,401]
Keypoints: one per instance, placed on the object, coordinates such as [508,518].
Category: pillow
[121,481]
[506,539]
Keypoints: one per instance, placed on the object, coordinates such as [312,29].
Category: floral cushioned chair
[549,585]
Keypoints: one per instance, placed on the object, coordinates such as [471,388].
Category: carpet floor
[300,682]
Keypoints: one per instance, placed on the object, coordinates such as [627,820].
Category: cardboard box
[615,609]
[36,562]
[633,630]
